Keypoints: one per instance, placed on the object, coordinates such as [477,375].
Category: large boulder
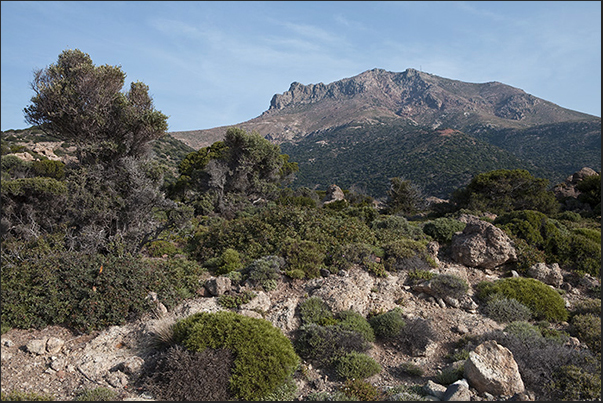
[492,369]
[334,193]
[548,274]
[482,245]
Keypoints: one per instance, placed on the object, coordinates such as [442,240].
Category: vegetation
[264,358]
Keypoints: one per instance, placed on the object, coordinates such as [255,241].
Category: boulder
[218,285]
[334,193]
[491,368]
[482,245]
[547,273]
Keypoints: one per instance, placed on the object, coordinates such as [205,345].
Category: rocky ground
[55,361]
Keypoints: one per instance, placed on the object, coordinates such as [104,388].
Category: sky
[210,64]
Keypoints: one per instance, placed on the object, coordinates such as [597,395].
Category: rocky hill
[341,118]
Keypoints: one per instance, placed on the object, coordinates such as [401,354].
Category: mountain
[380,124]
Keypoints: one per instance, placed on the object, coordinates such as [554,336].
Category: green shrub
[315,310]
[17,396]
[407,254]
[416,335]
[544,302]
[442,229]
[89,292]
[160,248]
[49,168]
[411,369]
[589,305]
[230,301]
[387,325]
[388,227]
[308,256]
[352,320]
[361,390]
[587,328]
[355,365]
[573,383]
[295,273]
[322,343]
[264,357]
[229,261]
[503,309]
[417,276]
[449,285]
[264,271]
[527,255]
[99,394]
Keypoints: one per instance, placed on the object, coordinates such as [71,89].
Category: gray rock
[458,391]
[482,245]
[36,346]
[547,273]
[218,285]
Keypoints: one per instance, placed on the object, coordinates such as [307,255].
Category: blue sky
[211,64]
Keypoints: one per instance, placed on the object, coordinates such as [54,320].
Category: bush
[361,390]
[417,276]
[442,229]
[351,320]
[415,336]
[355,365]
[264,271]
[229,261]
[444,285]
[17,396]
[315,310]
[587,328]
[179,374]
[304,255]
[96,395]
[450,375]
[230,301]
[573,383]
[411,369]
[503,309]
[90,292]
[543,301]
[264,358]
[323,343]
[406,254]
[387,325]
[160,248]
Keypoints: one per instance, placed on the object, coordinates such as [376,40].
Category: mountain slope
[517,129]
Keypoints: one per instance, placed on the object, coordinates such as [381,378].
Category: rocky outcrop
[492,369]
[334,193]
[547,273]
[483,245]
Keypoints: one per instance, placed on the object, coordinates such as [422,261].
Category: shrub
[264,271]
[587,328]
[323,343]
[442,229]
[589,305]
[352,320]
[49,168]
[544,302]
[315,310]
[230,301]
[99,394]
[355,365]
[304,255]
[264,358]
[503,309]
[416,276]
[387,325]
[406,254]
[444,285]
[18,396]
[573,383]
[411,369]
[160,248]
[229,261]
[361,390]
[416,335]
[180,374]
[388,227]
[527,255]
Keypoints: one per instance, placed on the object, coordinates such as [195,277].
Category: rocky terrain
[55,361]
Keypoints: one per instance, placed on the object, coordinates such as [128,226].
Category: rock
[261,302]
[282,315]
[434,389]
[132,365]
[218,285]
[548,274]
[458,391]
[334,193]
[491,368]
[343,293]
[36,346]
[483,245]
[54,345]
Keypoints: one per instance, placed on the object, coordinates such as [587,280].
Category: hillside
[514,129]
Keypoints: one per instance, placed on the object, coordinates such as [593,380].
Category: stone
[547,273]
[36,346]
[482,245]
[218,285]
[491,368]
[434,389]
[54,345]
[334,193]
[458,391]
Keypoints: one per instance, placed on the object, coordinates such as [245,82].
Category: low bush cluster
[543,301]
[388,325]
